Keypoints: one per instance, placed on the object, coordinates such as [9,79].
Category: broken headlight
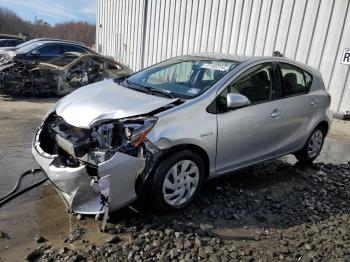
[124,135]
[107,135]
[136,129]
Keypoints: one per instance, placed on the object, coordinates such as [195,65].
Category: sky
[53,11]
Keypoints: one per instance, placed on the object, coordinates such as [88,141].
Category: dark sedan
[41,51]
[10,42]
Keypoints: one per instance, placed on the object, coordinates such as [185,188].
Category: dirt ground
[243,216]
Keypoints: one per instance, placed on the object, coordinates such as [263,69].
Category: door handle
[276,113]
[314,102]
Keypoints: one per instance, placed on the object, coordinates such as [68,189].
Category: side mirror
[236,100]
[36,52]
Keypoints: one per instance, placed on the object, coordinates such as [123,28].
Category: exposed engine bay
[97,144]
[82,162]
[100,156]
[60,76]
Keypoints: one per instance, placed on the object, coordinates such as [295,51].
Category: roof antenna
[277,53]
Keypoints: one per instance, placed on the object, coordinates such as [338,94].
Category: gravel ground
[275,211]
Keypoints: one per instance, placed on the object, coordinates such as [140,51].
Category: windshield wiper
[160,91]
[119,79]
[149,90]
[125,82]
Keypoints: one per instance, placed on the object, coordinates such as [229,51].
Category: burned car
[16,64]
[72,70]
[15,77]
[58,76]
[164,130]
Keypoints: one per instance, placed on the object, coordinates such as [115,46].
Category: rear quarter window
[295,80]
[73,48]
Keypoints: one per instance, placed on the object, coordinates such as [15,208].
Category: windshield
[25,43]
[183,78]
[29,47]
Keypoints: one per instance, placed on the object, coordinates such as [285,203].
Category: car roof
[248,59]
[46,40]
[7,36]
[58,41]
[216,56]
[55,40]
[11,39]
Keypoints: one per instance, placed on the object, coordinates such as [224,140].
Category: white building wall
[140,33]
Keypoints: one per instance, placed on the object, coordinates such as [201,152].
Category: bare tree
[11,23]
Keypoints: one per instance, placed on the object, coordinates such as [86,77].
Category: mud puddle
[43,213]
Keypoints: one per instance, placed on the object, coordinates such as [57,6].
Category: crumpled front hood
[106,100]
[6,56]
[10,53]
[6,61]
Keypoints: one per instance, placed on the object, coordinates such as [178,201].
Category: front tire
[177,180]
[313,146]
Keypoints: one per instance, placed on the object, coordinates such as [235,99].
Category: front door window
[256,84]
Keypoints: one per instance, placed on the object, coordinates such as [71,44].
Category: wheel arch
[172,150]
[301,154]
[324,125]
[190,147]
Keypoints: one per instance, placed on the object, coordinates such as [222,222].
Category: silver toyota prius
[165,130]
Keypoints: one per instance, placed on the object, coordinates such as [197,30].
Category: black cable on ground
[19,179]
[12,194]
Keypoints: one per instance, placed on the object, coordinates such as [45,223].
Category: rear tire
[313,146]
[177,180]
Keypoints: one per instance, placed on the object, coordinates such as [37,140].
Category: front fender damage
[121,189]
[86,195]
[88,184]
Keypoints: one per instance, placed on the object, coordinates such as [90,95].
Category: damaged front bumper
[111,188]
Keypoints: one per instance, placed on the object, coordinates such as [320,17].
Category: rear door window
[295,80]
